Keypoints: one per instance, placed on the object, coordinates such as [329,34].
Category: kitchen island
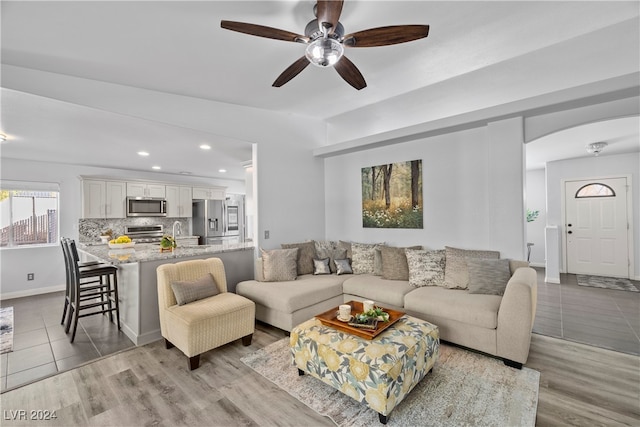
[137,287]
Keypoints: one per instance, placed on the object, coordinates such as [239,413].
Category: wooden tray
[330,318]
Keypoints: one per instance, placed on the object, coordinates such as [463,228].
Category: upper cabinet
[138,189]
[210,193]
[179,200]
[103,199]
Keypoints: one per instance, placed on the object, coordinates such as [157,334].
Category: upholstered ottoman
[378,372]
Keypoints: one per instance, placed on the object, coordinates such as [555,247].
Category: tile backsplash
[90,229]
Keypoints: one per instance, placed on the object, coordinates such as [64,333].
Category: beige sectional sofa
[499,325]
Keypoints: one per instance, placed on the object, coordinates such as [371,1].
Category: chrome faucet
[173,231]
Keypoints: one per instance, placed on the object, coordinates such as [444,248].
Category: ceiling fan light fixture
[324,52]
[596,147]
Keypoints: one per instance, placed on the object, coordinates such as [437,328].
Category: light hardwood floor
[579,385]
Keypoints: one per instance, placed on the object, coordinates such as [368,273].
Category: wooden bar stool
[67,264]
[99,296]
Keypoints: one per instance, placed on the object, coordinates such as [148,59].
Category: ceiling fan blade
[262,31]
[291,71]
[384,36]
[329,11]
[350,73]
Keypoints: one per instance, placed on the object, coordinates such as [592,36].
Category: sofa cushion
[376,288]
[332,254]
[279,264]
[289,297]
[186,292]
[426,268]
[454,304]
[394,262]
[363,257]
[456,273]
[321,266]
[343,267]
[488,276]
[306,254]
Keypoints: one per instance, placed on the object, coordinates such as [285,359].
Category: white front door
[596,224]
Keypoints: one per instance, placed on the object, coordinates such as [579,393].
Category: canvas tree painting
[392,195]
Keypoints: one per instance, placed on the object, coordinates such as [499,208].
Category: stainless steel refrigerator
[219,221]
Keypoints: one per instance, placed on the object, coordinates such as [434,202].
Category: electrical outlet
[266,234]
[29,276]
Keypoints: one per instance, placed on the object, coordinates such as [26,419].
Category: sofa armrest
[516,315]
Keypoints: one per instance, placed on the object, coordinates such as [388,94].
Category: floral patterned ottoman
[378,372]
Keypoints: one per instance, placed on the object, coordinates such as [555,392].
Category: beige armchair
[205,324]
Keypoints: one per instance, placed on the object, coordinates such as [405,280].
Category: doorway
[597,226]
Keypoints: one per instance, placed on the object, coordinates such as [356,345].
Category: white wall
[536,200]
[589,167]
[47,262]
[465,192]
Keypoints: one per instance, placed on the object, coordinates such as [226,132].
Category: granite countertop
[151,251]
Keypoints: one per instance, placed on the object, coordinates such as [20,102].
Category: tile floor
[599,317]
[41,347]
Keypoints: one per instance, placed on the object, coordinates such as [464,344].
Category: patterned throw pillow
[279,265]
[488,276]
[363,256]
[186,292]
[343,266]
[394,263]
[321,266]
[426,268]
[306,254]
[456,273]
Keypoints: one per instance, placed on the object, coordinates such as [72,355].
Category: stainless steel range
[145,233]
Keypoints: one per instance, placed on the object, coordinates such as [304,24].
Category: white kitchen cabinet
[210,193]
[103,199]
[140,189]
[179,201]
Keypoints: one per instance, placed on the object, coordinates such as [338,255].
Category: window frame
[578,196]
[35,187]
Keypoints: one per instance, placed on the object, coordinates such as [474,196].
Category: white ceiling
[180,49]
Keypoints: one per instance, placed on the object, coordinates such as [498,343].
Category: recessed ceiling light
[205,147]
[156,167]
[3,137]
[222,170]
[143,153]
[185,173]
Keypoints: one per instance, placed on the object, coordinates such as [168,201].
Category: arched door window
[595,190]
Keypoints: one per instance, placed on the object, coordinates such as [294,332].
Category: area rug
[615,283]
[6,329]
[464,388]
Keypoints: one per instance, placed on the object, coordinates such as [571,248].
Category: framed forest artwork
[392,195]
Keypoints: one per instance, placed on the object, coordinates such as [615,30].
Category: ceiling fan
[325,40]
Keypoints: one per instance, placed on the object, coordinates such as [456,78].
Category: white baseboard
[549,280]
[537,264]
[31,292]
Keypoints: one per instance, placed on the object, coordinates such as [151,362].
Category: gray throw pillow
[306,253]
[186,292]
[456,273]
[279,265]
[332,254]
[343,266]
[488,276]
[321,266]
[394,263]
[426,268]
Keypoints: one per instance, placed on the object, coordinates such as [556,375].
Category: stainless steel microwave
[146,206]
